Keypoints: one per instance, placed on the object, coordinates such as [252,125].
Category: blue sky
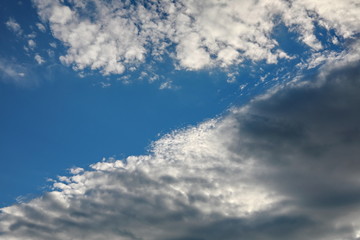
[57,120]
[189,113]
[60,120]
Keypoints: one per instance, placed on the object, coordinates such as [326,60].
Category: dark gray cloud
[285,166]
[307,141]
[309,135]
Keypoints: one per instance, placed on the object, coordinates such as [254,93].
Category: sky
[179,120]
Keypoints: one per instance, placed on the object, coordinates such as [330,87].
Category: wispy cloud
[41,27]
[284,166]
[19,73]
[14,26]
[113,36]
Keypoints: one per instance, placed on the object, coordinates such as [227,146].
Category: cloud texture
[285,166]
[112,36]
[14,26]
[20,74]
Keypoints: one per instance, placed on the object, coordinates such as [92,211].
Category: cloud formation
[41,27]
[112,36]
[39,59]
[14,26]
[284,166]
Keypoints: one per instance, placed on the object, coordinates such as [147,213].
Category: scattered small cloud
[31,35]
[14,26]
[41,27]
[167,85]
[31,44]
[50,53]
[39,59]
[76,170]
[231,77]
[53,45]
[112,38]
[125,79]
[105,84]
[15,73]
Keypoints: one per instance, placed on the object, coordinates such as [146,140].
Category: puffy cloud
[31,44]
[76,170]
[284,166]
[112,36]
[340,15]
[39,59]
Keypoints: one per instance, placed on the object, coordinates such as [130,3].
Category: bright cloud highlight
[113,36]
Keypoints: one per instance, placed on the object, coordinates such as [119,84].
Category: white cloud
[31,35]
[31,44]
[14,26]
[39,59]
[76,170]
[339,15]
[167,85]
[41,27]
[282,167]
[191,54]
[114,36]
[53,45]
[104,84]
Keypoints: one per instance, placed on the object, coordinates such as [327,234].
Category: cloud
[167,85]
[113,36]
[76,170]
[31,44]
[39,59]
[41,27]
[14,26]
[18,74]
[53,44]
[283,166]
